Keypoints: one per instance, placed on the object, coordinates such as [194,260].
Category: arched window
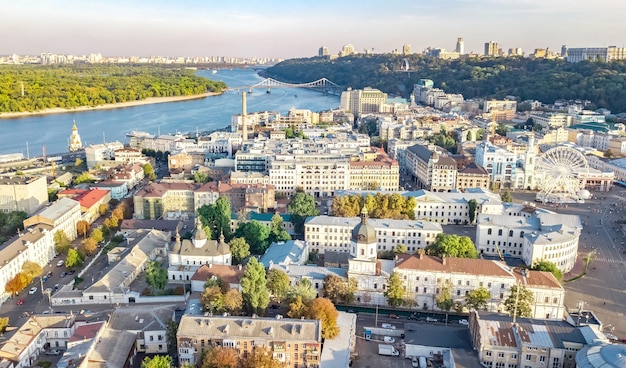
[488,231]
[510,232]
[521,234]
[499,232]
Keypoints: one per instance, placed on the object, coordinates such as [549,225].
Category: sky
[297,28]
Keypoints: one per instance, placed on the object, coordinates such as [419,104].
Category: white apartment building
[531,234]
[148,323]
[362,101]
[326,233]
[509,169]
[61,215]
[551,120]
[425,276]
[499,105]
[606,54]
[23,193]
[320,176]
[99,152]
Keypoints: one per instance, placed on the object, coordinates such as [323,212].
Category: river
[210,113]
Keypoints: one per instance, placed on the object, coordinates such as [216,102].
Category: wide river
[53,131]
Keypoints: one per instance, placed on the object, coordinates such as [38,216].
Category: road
[603,289]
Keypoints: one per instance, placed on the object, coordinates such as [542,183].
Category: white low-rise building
[530,233]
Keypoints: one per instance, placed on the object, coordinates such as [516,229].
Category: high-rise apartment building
[460,46]
[406,49]
[362,101]
[577,54]
[323,51]
[347,50]
[23,193]
[492,49]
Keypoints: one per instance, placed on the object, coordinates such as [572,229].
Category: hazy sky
[297,28]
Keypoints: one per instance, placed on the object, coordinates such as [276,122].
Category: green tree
[303,289]
[254,291]
[201,177]
[395,290]
[171,329]
[84,177]
[156,276]
[473,206]
[158,361]
[548,266]
[452,245]
[148,171]
[478,298]
[519,302]
[217,218]
[96,235]
[61,242]
[256,234]
[444,297]
[400,249]
[302,205]
[506,197]
[240,249]
[4,323]
[278,282]
[324,310]
[73,258]
[103,208]
[277,232]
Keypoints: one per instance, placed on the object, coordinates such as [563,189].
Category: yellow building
[294,342]
[379,171]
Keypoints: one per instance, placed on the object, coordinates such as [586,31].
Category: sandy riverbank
[148,101]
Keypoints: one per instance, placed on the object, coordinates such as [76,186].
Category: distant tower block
[75,142]
[244,117]
[460,47]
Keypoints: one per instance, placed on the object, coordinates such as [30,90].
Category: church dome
[199,236]
[364,232]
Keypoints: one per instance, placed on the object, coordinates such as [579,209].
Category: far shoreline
[119,105]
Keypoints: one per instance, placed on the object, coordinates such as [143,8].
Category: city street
[603,289]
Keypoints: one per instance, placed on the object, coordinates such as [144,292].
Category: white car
[463,322]
[431,319]
[60,263]
[389,339]
[32,290]
[415,362]
[388,326]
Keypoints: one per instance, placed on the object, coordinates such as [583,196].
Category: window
[513,356]
[488,231]
[499,364]
[488,353]
[555,363]
[542,358]
[510,232]
[499,232]
[528,356]
[500,355]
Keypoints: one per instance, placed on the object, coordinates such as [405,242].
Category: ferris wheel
[558,171]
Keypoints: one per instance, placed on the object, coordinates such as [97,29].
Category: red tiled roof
[538,278]
[86,197]
[86,331]
[451,265]
[229,274]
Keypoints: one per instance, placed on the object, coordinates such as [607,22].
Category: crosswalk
[609,260]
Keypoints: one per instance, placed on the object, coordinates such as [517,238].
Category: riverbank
[147,101]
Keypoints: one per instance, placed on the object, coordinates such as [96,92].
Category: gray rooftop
[58,208]
[289,252]
[141,318]
[111,349]
[433,335]
[311,271]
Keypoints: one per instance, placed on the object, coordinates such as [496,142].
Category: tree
[61,242]
[255,234]
[548,266]
[233,301]
[84,177]
[82,228]
[473,206]
[277,232]
[201,177]
[298,308]
[212,299]
[171,329]
[452,245]
[97,235]
[156,276]
[478,298]
[506,197]
[254,291]
[519,302]
[302,205]
[148,171]
[400,249]
[324,310]
[444,297]
[303,289]
[17,283]
[111,223]
[31,270]
[158,361]
[89,246]
[333,288]
[73,258]
[240,249]
[395,290]
[349,291]
[259,358]
[217,281]
[4,323]
[103,208]
[217,218]
[278,282]
[219,357]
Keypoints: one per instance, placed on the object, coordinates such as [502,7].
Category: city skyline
[282,29]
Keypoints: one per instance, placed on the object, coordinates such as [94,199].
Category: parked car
[464,322]
[415,363]
[60,263]
[413,316]
[20,301]
[393,316]
[53,352]
[63,274]
[431,319]
[44,279]
[71,272]
[389,339]
[32,290]
[388,326]
[49,275]
[56,286]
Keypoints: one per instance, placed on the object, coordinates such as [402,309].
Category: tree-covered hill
[544,80]
[92,85]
